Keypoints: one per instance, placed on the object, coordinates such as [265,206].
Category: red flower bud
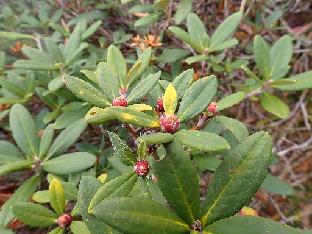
[64,220]
[142,168]
[212,108]
[120,101]
[160,105]
[169,123]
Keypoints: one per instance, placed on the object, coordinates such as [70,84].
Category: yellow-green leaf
[56,195]
[170,99]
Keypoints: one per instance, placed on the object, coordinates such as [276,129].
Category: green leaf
[53,50]
[41,197]
[249,224]
[197,97]
[69,163]
[15,36]
[22,194]
[34,65]
[66,138]
[72,58]
[179,182]
[302,81]
[46,140]
[202,141]
[132,73]
[108,82]
[78,227]
[275,185]
[262,56]
[73,42]
[196,29]
[184,36]
[125,115]
[34,215]
[170,99]
[237,128]
[182,82]
[144,59]
[37,55]
[172,55]
[24,130]
[137,215]
[280,56]
[147,20]
[238,178]
[118,187]
[85,91]
[196,58]
[224,45]
[87,188]
[57,230]
[225,29]
[230,100]
[122,151]
[274,105]
[9,152]
[156,138]
[15,166]
[184,8]
[91,30]
[13,88]
[143,87]
[117,63]
[57,196]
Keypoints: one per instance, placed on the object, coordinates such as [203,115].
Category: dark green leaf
[249,224]
[34,215]
[179,182]
[118,187]
[143,87]
[182,82]
[122,151]
[24,130]
[238,178]
[87,188]
[197,97]
[137,215]
[86,91]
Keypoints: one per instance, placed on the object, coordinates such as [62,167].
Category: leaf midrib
[205,217]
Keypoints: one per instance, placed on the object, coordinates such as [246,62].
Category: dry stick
[279,211]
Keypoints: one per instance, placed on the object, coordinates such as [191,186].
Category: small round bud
[64,220]
[142,168]
[120,101]
[248,211]
[169,123]
[160,105]
[212,108]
